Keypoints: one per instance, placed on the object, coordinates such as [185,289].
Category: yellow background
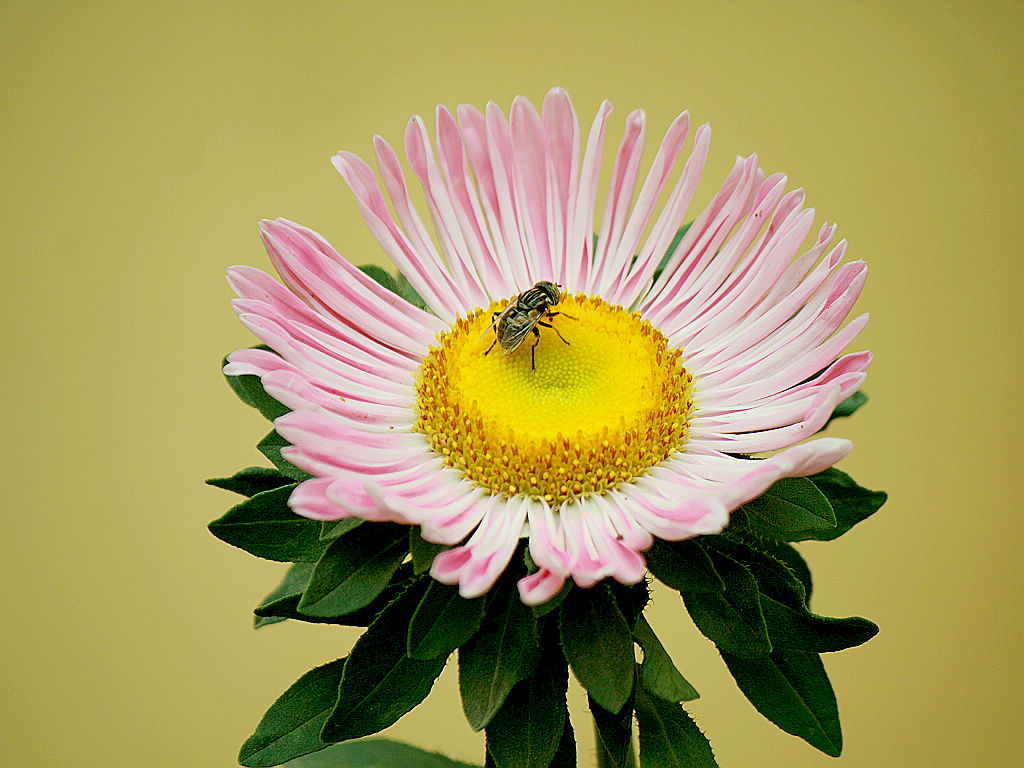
[141,142]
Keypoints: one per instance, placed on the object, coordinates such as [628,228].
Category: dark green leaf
[504,651]
[381,683]
[251,480]
[631,599]
[423,552]
[657,672]
[354,569]
[668,736]
[376,753]
[851,503]
[283,602]
[332,529]
[847,407]
[264,526]
[250,391]
[270,446]
[684,566]
[791,504]
[598,644]
[791,689]
[407,292]
[381,275]
[614,734]
[731,619]
[790,623]
[527,729]
[291,727]
[671,249]
[793,560]
[443,621]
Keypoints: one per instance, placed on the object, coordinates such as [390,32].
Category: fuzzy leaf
[251,480]
[668,736]
[443,621]
[657,672]
[380,275]
[423,552]
[250,391]
[291,727]
[791,689]
[354,569]
[381,683]
[684,566]
[265,526]
[504,651]
[731,619]
[376,753]
[851,503]
[598,644]
[283,602]
[270,446]
[527,730]
[791,504]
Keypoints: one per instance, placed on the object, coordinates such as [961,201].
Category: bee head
[551,290]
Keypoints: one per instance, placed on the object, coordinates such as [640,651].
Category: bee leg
[491,347]
[533,359]
[563,314]
[548,325]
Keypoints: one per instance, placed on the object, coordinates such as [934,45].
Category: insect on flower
[528,310]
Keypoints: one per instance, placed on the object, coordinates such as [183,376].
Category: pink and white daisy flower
[638,426]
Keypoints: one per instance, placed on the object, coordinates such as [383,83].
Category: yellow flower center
[592,414]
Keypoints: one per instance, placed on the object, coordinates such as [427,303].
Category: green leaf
[790,623]
[270,446]
[381,275]
[793,560]
[614,734]
[731,619]
[443,621]
[381,683]
[250,391]
[668,736]
[684,566]
[504,651]
[423,552]
[283,602]
[851,503]
[291,727]
[376,753]
[847,407]
[527,730]
[407,292]
[791,504]
[657,672]
[671,249]
[598,644]
[791,689]
[354,569]
[251,480]
[332,529]
[265,526]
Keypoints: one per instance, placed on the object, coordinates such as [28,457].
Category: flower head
[627,409]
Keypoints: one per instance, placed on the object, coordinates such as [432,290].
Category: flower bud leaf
[596,640]
[291,727]
[443,621]
[668,736]
[265,526]
[657,672]
[354,569]
[791,689]
[381,683]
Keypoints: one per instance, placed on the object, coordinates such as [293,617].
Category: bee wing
[516,329]
[506,311]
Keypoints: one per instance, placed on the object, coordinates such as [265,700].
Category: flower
[642,424]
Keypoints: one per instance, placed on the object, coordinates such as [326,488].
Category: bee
[528,310]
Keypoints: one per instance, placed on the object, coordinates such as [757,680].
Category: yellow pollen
[595,413]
